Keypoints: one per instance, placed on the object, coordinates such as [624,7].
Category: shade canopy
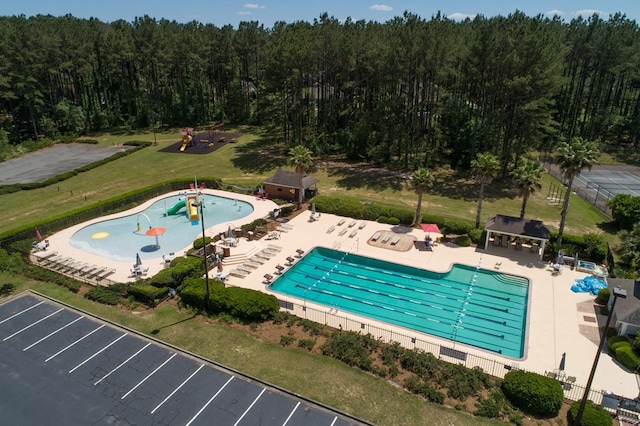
[154,232]
[138,260]
[38,235]
[431,228]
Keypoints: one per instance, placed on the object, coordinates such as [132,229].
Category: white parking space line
[291,414]
[70,345]
[209,401]
[20,313]
[52,333]
[177,389]
[150,374]
[96,354]
[249,408]
[32,324]
[123,363]
[335,419]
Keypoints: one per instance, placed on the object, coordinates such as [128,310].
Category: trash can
[226,251]
[250,235]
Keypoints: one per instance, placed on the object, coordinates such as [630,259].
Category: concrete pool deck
[560,321]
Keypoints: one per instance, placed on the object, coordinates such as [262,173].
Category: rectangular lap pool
[482,308]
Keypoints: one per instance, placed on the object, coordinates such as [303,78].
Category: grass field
[254,158]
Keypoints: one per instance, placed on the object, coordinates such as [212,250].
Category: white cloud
[243,13]
[586,13]
[381,8]
[554,12]
[460,16]
[253,6]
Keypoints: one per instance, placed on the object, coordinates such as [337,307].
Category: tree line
[409,92]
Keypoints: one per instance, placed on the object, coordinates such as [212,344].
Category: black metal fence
[593,194]
[450,353]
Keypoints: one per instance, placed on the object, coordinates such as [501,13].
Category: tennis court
[610,180]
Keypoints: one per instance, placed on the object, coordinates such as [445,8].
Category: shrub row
[533,393]
[241,303]
[148,294]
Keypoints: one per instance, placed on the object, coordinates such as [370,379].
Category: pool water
[124,237]
[482,308]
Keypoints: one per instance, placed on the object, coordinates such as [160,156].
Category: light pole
[617,292]
[200,204]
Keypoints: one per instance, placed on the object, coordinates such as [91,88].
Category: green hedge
[241,303]
[102,295]
[533,393]
[593,415]
[615,341]
[627,356]
[463,241]
[147,293]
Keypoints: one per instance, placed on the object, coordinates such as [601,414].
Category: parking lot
[61,367]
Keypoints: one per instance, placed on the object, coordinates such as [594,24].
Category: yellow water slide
[193,210]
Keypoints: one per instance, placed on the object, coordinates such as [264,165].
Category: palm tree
[420,181]
[527,177]
[484,168]
[572,158]
[629,248]
[300,158]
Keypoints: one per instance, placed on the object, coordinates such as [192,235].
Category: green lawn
[254,158]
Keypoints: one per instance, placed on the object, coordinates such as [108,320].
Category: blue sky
[222,12]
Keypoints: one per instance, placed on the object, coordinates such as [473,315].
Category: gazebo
[516,227]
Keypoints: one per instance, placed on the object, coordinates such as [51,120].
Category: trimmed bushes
[614,342]
[148,294]
[533,393]
[593,415]
[463,241]
[241,303]
[627,356]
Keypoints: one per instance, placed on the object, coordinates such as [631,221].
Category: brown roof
[289,179]
[515,226]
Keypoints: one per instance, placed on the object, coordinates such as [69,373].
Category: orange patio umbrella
[155,232]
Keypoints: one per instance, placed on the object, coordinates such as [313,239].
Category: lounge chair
[331,229]
[498,265]
[238,273]
[251,264]
[342,231]
[352,224]
[362,225]
[283,228]
[353,233]
[274,247]
[341,222]
[375,236]
[244,268]
[257,259]
[395,240]
[107,272]
[385,238]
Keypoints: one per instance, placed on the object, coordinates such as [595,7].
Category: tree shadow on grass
[354,176]
[259,156]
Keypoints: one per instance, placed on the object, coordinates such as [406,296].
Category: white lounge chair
[237,273]
[375,236]
[274,247]
[342,231]
[353,233]
[362,225]
[331,229]
[395,240]
[341,222]
[385,238]
[352,224]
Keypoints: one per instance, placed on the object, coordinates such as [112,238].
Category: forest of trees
[409,92]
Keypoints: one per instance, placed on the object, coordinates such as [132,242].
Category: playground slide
[185,141]
[193,210]
[174,210]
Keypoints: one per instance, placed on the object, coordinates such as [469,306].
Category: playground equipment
[186,138]
[175,209]
[193,210]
